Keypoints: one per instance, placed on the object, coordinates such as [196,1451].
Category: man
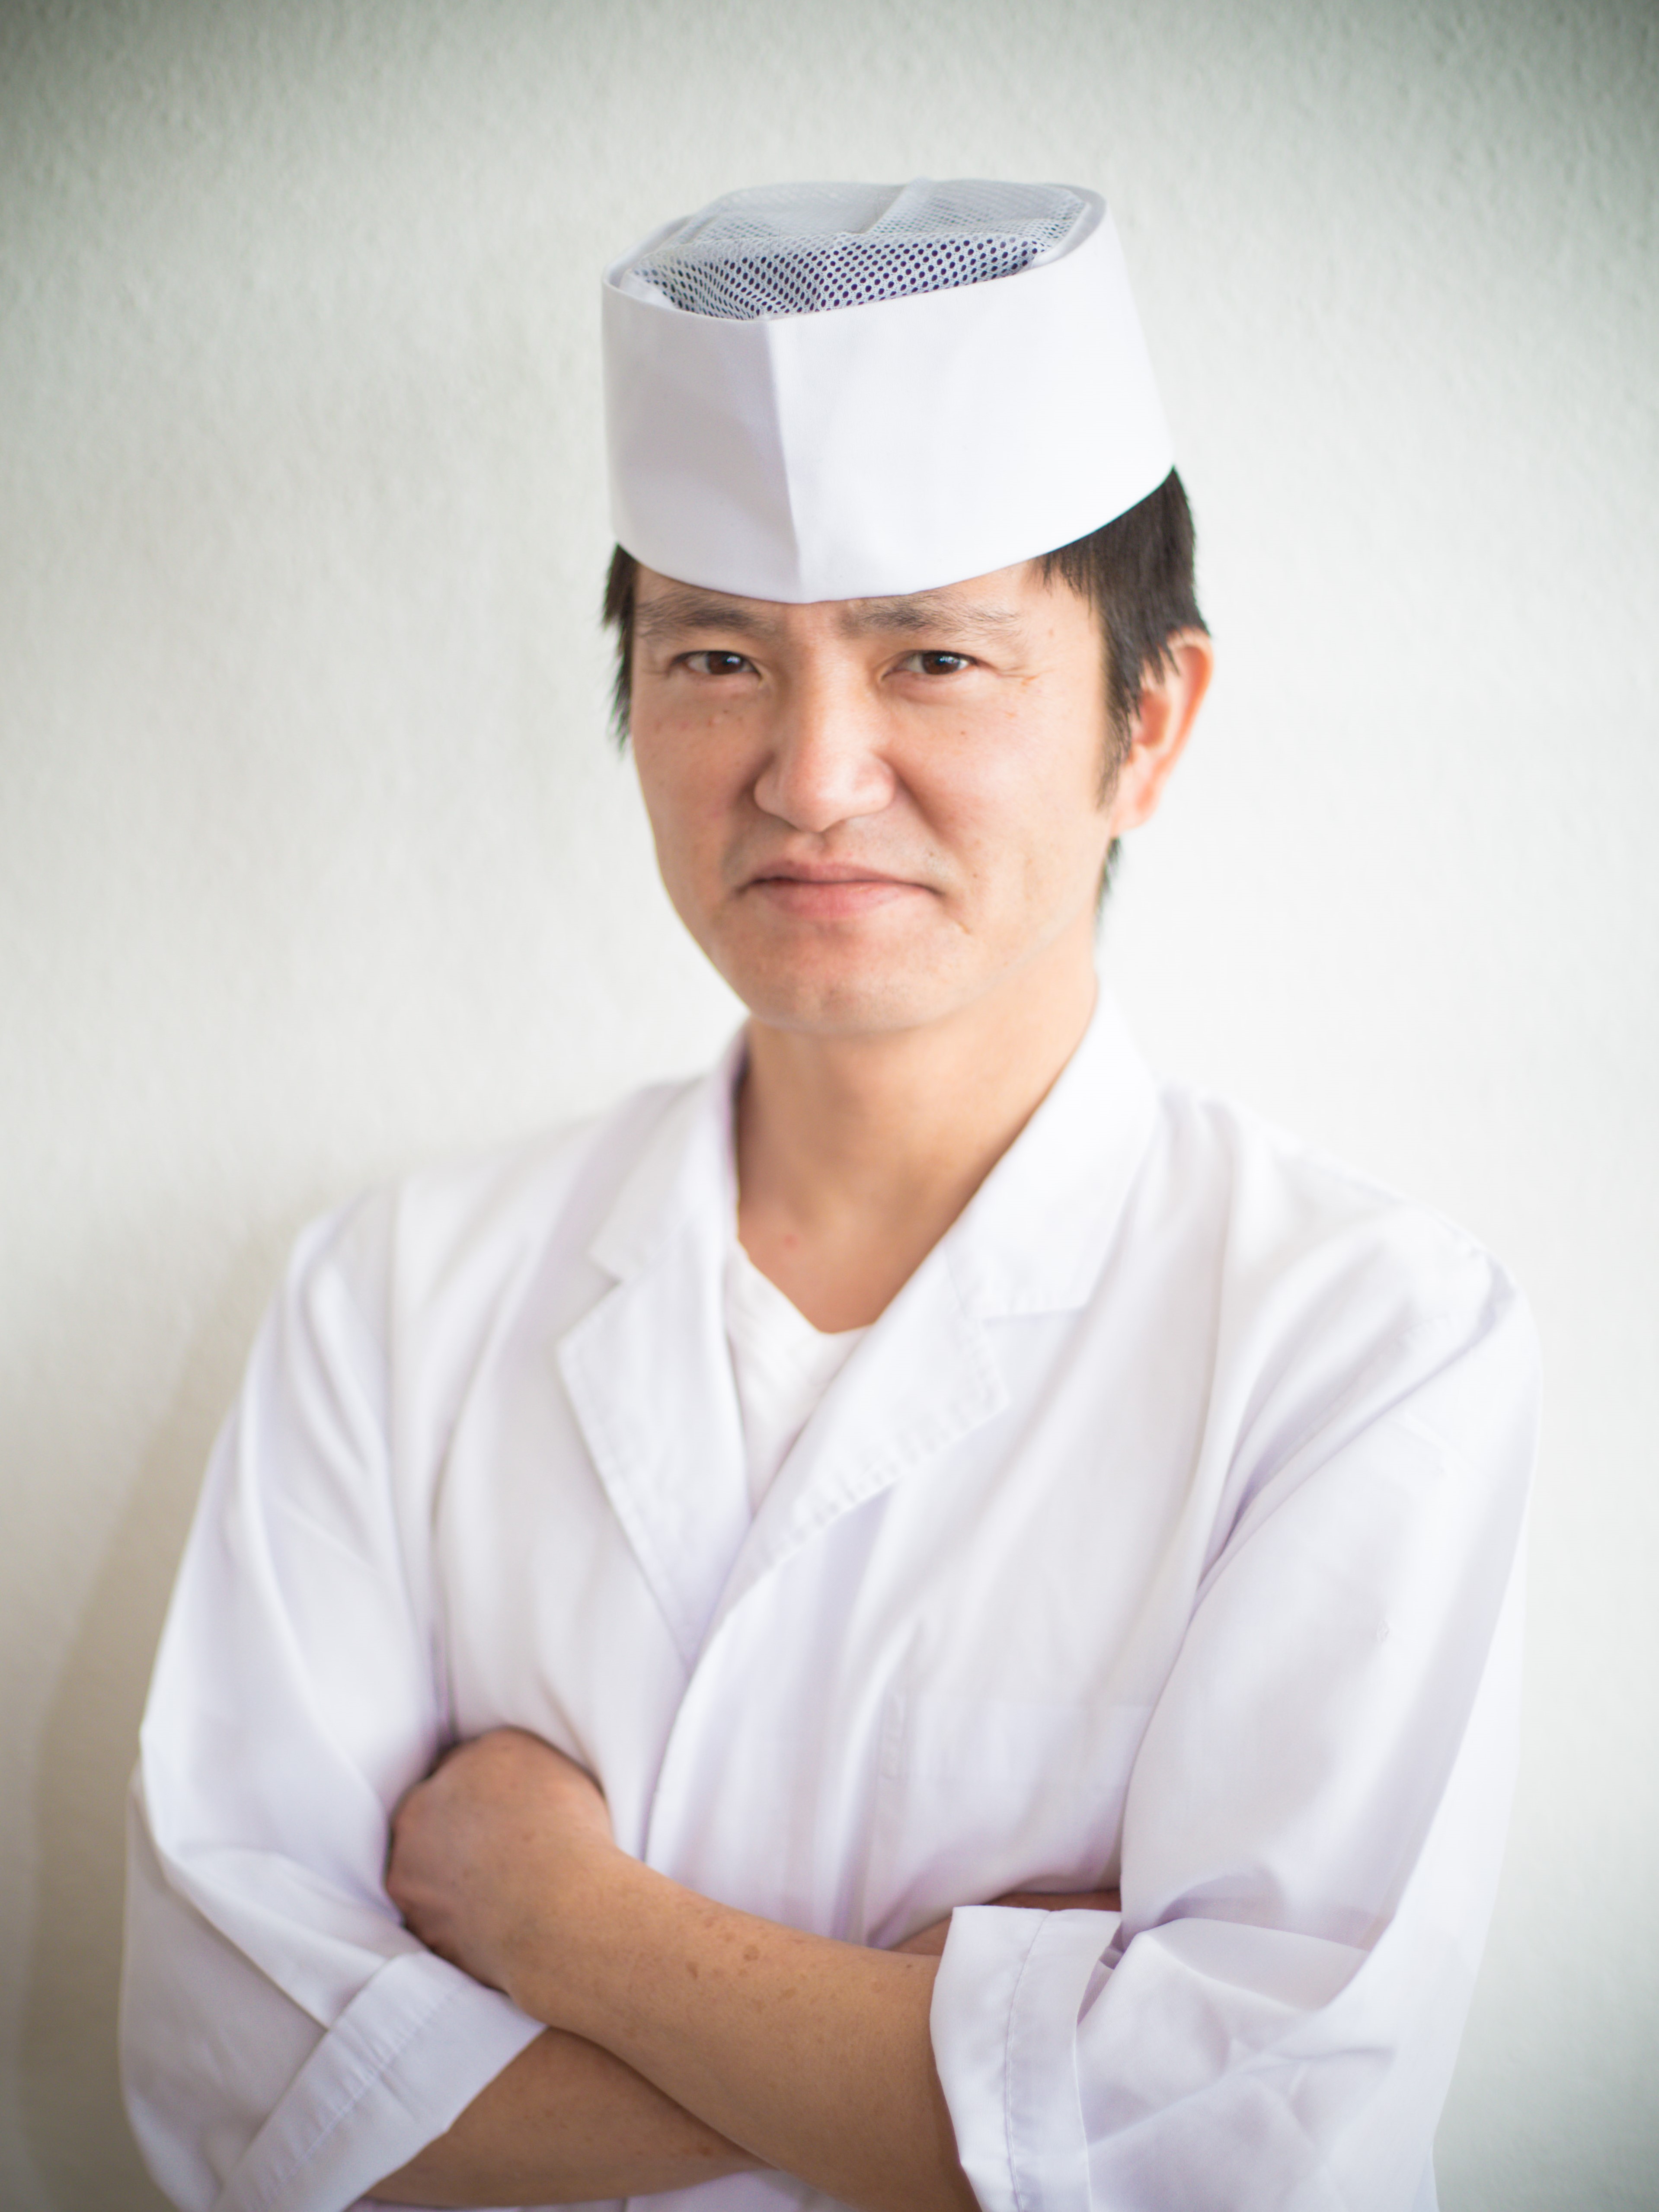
[976,1596]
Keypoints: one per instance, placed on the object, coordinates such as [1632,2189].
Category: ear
[1164,715]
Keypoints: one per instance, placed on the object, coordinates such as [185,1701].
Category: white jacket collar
[1033,1238]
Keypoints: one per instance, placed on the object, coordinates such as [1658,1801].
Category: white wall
[314,858]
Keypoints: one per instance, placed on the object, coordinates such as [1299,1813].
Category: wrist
[568,1968]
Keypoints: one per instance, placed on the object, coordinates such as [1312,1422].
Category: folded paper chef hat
[830,391]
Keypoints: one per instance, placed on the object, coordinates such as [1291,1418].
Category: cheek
[692,778]
[1021,807]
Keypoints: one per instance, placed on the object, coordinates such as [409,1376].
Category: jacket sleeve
[285,2041]
[1311,1838]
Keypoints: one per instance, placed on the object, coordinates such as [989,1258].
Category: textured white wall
[314,858]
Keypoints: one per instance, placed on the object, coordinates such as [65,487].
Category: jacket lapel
[1033,1240]
[648,1372]
[921,1380]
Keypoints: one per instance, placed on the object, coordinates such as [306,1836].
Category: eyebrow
[673,613]
[928,611]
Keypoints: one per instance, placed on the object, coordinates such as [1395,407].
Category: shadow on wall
[73,2117]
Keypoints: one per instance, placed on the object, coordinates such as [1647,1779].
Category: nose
[825,761]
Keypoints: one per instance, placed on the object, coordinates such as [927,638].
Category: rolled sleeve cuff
[1006,2000]
[403,2061]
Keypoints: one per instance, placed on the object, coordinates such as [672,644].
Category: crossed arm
[685,2040]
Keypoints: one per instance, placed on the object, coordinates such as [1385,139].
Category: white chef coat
[1163,1533]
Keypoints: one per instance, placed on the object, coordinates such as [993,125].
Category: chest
[905,1692]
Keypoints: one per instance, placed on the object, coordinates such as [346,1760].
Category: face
[870,813]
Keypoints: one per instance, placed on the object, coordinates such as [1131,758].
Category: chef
[925,1619]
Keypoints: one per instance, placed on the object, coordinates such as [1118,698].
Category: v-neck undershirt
[782,1364]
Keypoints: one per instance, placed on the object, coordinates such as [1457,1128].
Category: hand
[794,2051]
[506,1836]
[929,1943]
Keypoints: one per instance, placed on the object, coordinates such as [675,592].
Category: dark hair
[1136,573]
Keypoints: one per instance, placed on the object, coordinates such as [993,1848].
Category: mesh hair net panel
[804,249]
[835,391]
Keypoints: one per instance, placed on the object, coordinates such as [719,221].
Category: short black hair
[1136,572]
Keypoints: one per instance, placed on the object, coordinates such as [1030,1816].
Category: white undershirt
[783,1366]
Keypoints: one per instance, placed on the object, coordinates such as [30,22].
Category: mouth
[823,872]
[828,891]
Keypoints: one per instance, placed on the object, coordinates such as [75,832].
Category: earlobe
[1163,720]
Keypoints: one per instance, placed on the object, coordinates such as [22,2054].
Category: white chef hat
[828,391]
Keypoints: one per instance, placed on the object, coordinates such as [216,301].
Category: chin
[830,1004]
[884,973]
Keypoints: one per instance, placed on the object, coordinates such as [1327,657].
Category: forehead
[1004,606]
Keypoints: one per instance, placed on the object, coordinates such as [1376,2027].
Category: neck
[856,1154]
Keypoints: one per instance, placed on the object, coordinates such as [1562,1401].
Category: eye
[715,662]
[936,664]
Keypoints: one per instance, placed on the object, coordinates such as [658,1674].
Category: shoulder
[456,1235]
[1327,1289]
[1280,1209]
